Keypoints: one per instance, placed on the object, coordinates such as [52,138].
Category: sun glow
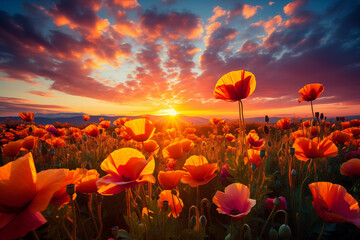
[170,112]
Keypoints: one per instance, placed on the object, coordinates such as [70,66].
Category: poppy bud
[30,129]
[317,114]
[266,118]
[174,192]
[70,189]
[192,221]
[266,129]
[101,131]
[269,143]
[325,118]
[292,151]
[114,135]
[203,220]
[52,152]
[85,137]
[277,201]
[342,119]
[285,231]
[322,116]
[337,119]
[262,153]
[293,172]
[165,205]
[228,237]
[253,166]
[273,235]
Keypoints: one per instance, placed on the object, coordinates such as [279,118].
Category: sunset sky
[128,57]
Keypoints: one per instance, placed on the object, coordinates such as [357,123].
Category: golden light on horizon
[171,112]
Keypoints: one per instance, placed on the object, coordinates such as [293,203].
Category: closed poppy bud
[85,137]
[253,166]
[285,231]
[165,205]
[337,119]
[321,116]
[70,189]
[262,153]
[30,129]
[228,237]
[317,114]
[52,152]
[269,143]
[43,149]
[114,135]
[342,119]
[266,129]
[293,172]
[292,151]
[277,201]
[192,221]
[273,235]
[203,220]
[266,118]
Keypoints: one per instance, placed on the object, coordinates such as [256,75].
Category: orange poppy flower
[235,86]
[306,123]
[61,197]
[215,121]
[187,145]
[284,123]
[101,119]
[151,146]
[310,92]
[104,124]
[92,130]
[169,180]
[339,137]
[86,117]
[171,132]
[199,171]
[87,183]
[174,202]
[230,137]
[306,148]
[12,149]
[254,140]
[140,129]
[190,130]
[126,168]
[56,142]
[28,143]
[355,122]
[173,150]
[345,125]
[40,132]
[24,194]
[253,157]
[231,149]
[234,201]
[351,168]
[333,203]
[27,117]
[355,131]
[121,121]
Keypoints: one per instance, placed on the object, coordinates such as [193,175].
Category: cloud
[218,12]
[291,7]
[247,11]
[42,93]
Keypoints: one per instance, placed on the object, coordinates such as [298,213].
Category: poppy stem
[174,205]
[267,221]
[35,235]
[312,110]
[74,217]
[91,212]
[231,228]
[197,196]
[322,230]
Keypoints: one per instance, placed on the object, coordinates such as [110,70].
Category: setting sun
[170,112]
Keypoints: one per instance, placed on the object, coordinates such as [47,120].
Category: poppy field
[136,179]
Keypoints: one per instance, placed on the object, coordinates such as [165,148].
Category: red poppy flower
[56,142]
[24,194]
[86,117]
[351,168]
[27,117]
[174,202]
[215,121]
[104,124]
[87,183]
[230,137]
[235,86]
[140,129]
[311,92]
[253,157]
[121,121]
[284,123]
[101,119]
[12,149]
[339,137]
[254,140]
[28,143]
[199,171]
[151,146]
[169,180]
[126,168]
[269,203]
[187,145]
[306,148]
[92,130]
[235,201]
[333,203]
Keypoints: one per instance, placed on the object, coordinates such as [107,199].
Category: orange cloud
[291,7]
[270,25]
[247,11]
[128,28]
[218,12]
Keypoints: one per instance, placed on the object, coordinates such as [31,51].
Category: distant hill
[77,119]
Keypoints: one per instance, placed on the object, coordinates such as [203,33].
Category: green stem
[35,235]
[267,221]
[322,231]
[74,218]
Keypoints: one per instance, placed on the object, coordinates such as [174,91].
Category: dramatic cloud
[291,7]
[247,11]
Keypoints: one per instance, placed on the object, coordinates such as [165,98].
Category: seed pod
[266,118]
[70,189]
[58,164]
[292,151]
[317,114]
[277,201]
[293,172]
[262,153]
[52,152]
[30,129]
[203,220]
[284,231]
[101,131]
[266,130]
[273,235]
[85,138]
[165,205]
[114,135]
[192,221]
[322,116]
[253,166]
[269,143]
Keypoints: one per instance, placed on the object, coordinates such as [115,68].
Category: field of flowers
[222,180]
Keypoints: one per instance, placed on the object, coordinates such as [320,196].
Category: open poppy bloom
[27,117]
[169,180]
[187,145]
[306,148]
[104,124]
[28,143]
[120,121]
[253,157]
[254,140]
[269,203]
[339,137]
[199,171]
[86,117]
[92,130]
[310,92]
[284,123]
[230,137]
[12,149]
[24,194]
[56,142]
[174,202]
[215,121]
[87,183]
[333,203]
[351,168]
[140,129]
[235,201]
[235,86]
[173,150]
[126,168]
